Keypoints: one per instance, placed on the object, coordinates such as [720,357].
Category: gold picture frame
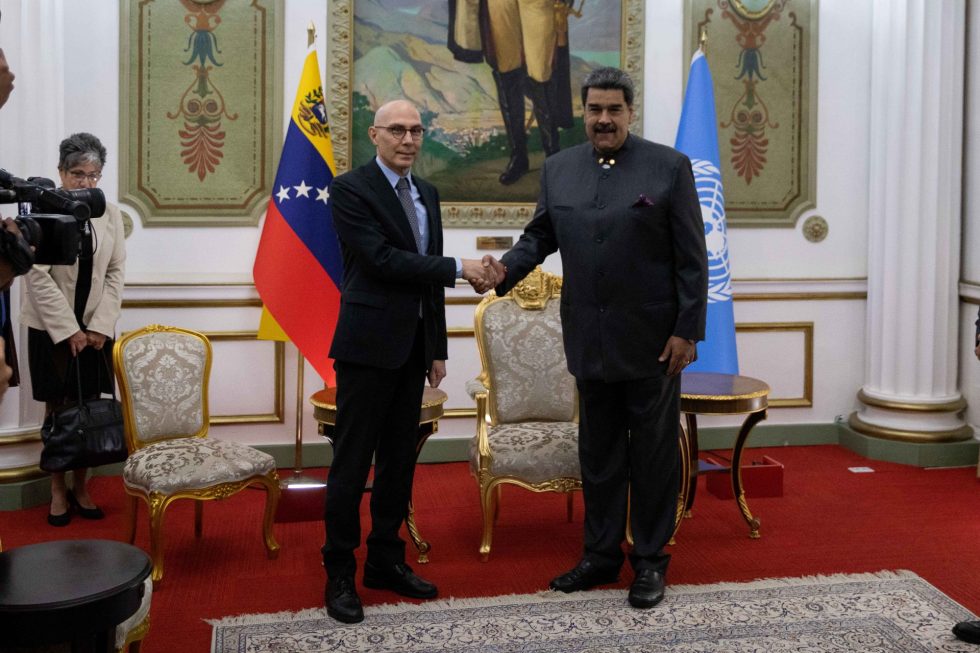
[488,203]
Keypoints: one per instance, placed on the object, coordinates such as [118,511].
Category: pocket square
[642,201]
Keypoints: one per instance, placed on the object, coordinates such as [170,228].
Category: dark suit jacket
[633,256]
[385,279]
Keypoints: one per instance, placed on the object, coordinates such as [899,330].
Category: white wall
[790,279]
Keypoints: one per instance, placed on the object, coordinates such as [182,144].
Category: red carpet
[829,520]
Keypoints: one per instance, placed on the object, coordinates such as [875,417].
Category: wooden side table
[74,591]
[325,412]
[704,393]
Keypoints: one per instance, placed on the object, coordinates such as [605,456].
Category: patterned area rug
[887,612]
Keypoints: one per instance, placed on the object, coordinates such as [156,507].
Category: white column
[917,85]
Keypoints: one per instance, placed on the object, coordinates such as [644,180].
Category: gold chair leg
[157,505]
[488,506]
[198,518]
[271,483]
[496,502]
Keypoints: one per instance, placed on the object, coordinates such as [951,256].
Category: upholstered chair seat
[163,382]
[534,452]
[172,465]
[526,403]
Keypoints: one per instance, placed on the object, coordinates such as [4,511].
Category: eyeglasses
[399,132]
[79,175]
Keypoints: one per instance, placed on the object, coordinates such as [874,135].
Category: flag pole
[302,496]
[298,455]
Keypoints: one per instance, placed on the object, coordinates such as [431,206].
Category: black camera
[55,231]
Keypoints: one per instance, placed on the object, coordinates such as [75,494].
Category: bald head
[396,107]
[398,152]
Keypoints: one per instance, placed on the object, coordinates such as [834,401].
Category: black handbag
[84,434]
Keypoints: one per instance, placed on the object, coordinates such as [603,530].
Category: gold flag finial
[310,34]
[703,40]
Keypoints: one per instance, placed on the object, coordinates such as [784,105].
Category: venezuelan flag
[298,267]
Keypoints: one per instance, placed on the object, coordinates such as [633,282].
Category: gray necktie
[405,197]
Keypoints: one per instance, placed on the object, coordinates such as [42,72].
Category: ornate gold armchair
[526,402]
[163,384]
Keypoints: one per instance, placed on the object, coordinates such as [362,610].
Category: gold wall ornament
[815,229]
[494,242]
[752,9]
[127,224]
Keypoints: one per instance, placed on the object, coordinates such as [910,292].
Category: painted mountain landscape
[400,51]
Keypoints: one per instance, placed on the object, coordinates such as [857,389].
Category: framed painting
[496,93]
[200,109]
[763,59]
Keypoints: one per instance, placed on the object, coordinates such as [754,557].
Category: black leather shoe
[968,631]
[342,601]
[60,520]
[585,575]
[86,513]
[647,589]
[400,579]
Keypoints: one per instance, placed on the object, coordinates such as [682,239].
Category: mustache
[604,129]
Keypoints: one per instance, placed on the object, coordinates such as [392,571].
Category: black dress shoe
[585,575]
[400,579]
[968,631]
[342,601]
[60,520]
[647,589]
[86,513]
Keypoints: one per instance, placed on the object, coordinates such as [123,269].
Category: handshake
[484,274]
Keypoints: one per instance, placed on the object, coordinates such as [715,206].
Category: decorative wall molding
[806,328]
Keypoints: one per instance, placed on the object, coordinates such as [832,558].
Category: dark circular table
[74,591]
[709,393]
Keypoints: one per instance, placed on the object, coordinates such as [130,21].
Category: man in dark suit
[390,337]
[969,631]
[624,214]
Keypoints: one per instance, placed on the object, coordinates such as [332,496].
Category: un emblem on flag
[707,180]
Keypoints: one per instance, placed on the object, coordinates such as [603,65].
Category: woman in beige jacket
[71,312]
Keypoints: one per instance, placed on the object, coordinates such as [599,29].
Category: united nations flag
[697,137]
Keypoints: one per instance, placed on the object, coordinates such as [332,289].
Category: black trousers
[377,415]
[628,447]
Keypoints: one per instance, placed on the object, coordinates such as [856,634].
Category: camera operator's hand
[7,273]
[78,341]
[95,340]
[6,79]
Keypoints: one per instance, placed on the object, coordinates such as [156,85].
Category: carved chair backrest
[163,383]
[520,341]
